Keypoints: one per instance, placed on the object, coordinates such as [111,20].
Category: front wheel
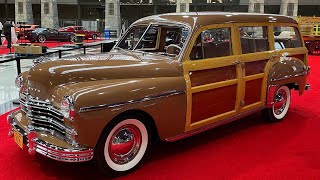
[72,38]
[280,107]
[123,145]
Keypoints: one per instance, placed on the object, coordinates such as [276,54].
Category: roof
[207,18]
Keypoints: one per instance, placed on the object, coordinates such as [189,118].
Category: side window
[286,37]
[212,43]
[132,37]
[254,39]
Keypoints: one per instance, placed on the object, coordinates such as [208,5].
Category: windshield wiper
[144,33]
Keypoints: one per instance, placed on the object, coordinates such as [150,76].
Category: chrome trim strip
[290,76]
[147,98]
[219,123]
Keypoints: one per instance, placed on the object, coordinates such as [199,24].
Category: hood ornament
[40,60]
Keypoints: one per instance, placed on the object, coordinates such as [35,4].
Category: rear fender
[288,70]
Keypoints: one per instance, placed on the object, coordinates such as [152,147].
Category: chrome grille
[43,116]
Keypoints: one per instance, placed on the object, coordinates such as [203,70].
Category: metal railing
[104,47]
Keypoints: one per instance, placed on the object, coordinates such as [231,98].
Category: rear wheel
[123,145]
[42,38]
[94,36]
[280,107]
[315,47]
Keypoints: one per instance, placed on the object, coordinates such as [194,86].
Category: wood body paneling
[213,102]
[209,76]
[255,67]
[253,91]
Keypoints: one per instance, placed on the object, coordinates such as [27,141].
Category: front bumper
[45,143]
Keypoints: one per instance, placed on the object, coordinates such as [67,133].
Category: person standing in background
[14,38]
[7,32]
[1,26]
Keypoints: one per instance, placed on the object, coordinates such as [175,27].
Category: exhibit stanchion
[18,65]
[58,38]
[87,36]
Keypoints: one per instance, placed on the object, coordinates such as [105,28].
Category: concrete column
[284,7]
[25,13]
[112,15]
[49,14]
[251,5]
[186,2]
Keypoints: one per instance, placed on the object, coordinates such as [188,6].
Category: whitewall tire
[123,145]
[280,107]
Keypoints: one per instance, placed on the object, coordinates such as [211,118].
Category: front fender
[98,102]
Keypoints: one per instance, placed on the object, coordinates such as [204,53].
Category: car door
[212,70]
[255,47]
[52,34]
[81,30]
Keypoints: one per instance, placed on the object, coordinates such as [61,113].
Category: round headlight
[19,81]
[67,108]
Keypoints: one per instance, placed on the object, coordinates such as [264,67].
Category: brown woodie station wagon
[169,76]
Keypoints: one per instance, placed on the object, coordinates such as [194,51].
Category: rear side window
[286,37]
[212,43]
[254,39]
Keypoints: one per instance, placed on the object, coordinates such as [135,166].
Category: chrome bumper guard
[62,154]
[49,150]
[307,88]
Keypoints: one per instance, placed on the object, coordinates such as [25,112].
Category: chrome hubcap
[41,38]
[280,102]
[124,144]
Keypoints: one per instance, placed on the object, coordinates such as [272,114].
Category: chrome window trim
[166,23]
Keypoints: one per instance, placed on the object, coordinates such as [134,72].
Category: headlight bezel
[19,81]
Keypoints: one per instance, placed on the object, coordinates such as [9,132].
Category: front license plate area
[18,138]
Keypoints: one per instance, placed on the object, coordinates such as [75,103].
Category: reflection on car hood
[45,77]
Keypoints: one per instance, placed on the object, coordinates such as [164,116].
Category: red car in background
[81,30]
[23,30]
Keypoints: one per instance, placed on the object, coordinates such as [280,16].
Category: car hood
[46,77]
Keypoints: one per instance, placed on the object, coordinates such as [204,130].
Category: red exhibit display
[245,149]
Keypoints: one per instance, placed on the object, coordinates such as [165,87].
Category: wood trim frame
[240,60]
[252,57]
[195,65]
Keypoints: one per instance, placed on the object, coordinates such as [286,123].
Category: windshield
[162,39]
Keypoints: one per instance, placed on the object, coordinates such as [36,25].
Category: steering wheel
[173,49]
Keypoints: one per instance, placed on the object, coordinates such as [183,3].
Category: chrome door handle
[236,62]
